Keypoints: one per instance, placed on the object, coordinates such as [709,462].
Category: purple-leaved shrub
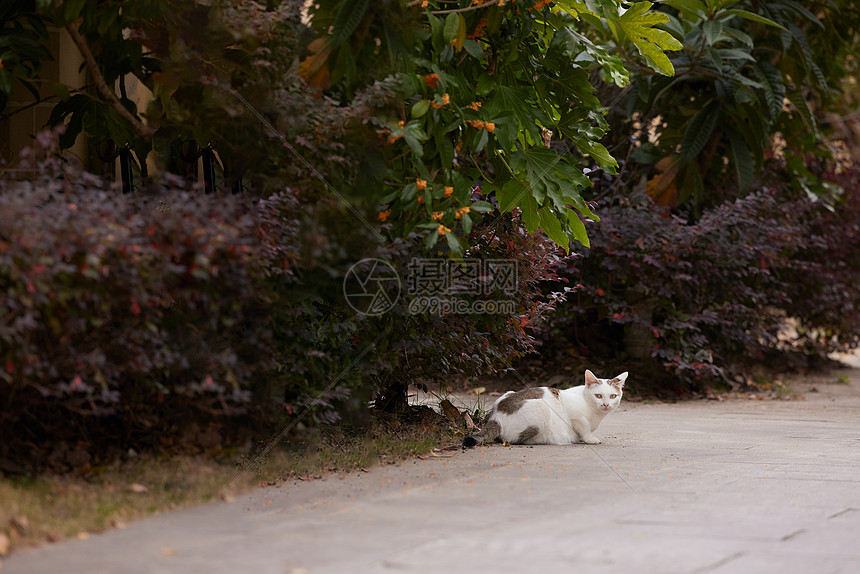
[759,280]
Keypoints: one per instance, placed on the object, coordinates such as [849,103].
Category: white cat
[544,415]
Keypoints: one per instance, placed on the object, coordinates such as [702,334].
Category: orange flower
[442,230]
[446,99]
[474,105]
[420,200]
[424,4]
[401,123]
[476,123]
[383,215]
[431,80]
[479,29]
[540,4]
[438,216]
[461,211]
[449,191]
[392,139]
[421,184]
[490,126]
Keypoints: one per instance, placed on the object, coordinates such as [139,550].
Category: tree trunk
[392,398]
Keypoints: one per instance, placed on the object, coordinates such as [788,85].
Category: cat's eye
[598,396]
[612,396]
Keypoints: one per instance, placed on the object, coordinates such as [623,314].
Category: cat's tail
[490,432]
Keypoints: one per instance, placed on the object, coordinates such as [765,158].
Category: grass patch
[50,507]
[346,449]
[784,390]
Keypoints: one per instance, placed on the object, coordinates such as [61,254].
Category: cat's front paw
[591,440]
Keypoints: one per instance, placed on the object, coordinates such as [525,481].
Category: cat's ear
[618,381]
[590,379]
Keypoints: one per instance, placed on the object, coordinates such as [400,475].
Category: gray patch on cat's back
[528,433]
[512,403]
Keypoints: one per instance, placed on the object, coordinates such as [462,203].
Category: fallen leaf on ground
[477,391]
[4,544]
[452,412]
[169,552]
[83,535]
[228,498]
[137,487]
[470,424]
[439,455]
[437,452]
[20,524]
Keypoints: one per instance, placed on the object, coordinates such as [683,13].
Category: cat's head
[604,394]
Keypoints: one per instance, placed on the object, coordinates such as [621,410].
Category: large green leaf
[799,102]
[577,228]
[600,154]
[811,66]
[713,29]
[550,224]
[452,25]
[744,164]
[347,19]
[517,100]
[544,187]
[573,7]
[529,208]
[575,81]
[577,46]
[698,132]
[753,17]
[638,25]
[773,87]
[691,10]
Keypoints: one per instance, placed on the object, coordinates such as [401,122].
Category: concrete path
[739,486]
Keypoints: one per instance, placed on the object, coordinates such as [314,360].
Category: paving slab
[698,487]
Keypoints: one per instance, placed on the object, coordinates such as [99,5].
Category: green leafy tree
[752,76]
[486,88]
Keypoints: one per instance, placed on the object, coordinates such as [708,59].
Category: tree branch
[139,128]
